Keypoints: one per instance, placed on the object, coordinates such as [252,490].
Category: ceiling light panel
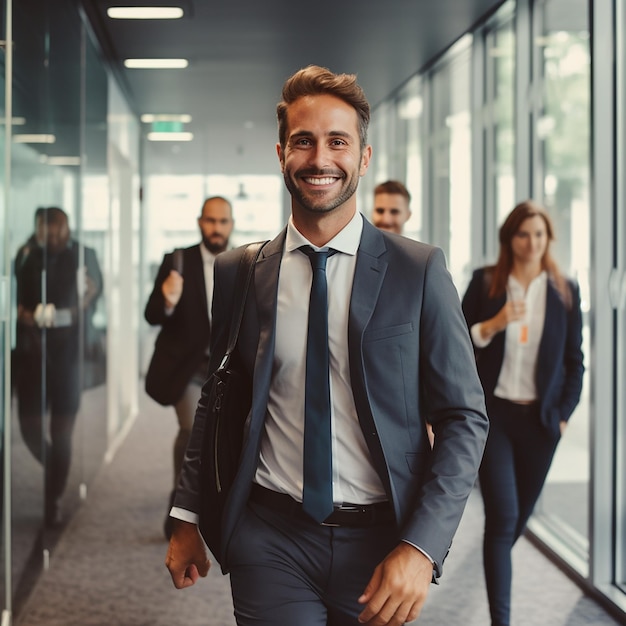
[156,64]
[145,13]
[180,136]
[34,138]
[148,118]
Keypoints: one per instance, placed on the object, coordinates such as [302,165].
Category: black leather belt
[356,515]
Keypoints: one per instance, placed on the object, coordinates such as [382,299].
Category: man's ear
[365,160]
[281,157]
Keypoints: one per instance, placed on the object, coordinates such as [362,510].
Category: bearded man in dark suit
[180,303]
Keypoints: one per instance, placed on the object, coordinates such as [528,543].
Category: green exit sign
[167,127]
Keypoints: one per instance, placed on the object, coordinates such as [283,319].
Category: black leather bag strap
[242,283]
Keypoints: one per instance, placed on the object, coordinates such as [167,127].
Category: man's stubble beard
[304,201]
[215,248]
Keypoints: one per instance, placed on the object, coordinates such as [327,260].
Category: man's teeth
[320,181]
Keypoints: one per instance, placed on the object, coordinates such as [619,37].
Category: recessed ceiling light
[62,160]
[145,13]
[34,138]
[16,121]
[182,136]
[157,64]
[148,118]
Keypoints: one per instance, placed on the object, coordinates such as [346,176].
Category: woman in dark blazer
[526,325]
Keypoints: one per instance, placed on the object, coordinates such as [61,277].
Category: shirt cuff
[184,515]
[477,337]
[430,558]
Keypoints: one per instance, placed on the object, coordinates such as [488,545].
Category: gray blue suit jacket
[411,361]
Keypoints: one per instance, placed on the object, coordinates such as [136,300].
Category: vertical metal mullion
[481,162]
[620,242]
[427,160]
[523,115]
[602,312]
[6,445]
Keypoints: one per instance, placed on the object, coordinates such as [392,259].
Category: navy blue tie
[317,491]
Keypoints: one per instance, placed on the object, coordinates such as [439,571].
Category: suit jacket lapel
[265,292]
[369,274]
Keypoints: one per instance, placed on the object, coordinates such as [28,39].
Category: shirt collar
[540,279]
[346,240]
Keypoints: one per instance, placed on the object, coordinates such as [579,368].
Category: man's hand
[186,558]
[398,588]
[172,288]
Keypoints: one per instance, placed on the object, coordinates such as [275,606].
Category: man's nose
[318,156]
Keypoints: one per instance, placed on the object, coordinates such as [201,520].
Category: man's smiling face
[322,159]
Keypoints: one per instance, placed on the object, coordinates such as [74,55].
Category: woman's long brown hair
[501,270]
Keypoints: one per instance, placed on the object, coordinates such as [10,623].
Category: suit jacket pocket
[377,334]
[416,462]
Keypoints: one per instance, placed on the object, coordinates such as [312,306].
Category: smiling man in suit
[340,512]
[180,303]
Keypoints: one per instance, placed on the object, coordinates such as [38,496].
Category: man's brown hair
[315,81]
[393,187]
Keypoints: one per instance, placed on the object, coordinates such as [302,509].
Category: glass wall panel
[55,232]
[450,154]
[122,263]
[381,164]
[93,236]
[562,132]
[500,76]
[35,183]
[381,138]
[409,109]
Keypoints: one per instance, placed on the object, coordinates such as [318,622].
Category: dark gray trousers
[287,571]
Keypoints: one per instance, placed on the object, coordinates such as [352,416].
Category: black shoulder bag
[228,405]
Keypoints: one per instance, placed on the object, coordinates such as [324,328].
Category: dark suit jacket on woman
[184,336]
[559,370]
[410,359]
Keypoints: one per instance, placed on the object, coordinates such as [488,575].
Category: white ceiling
[241,51]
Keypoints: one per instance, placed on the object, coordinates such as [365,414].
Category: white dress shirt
[208,263]
[280,466]
[516,381]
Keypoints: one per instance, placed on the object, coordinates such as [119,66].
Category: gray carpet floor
[108,567]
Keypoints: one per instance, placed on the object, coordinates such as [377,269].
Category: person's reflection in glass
[52,289]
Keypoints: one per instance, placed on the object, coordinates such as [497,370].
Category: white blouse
[521,345]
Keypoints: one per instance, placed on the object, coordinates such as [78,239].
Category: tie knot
[317,258]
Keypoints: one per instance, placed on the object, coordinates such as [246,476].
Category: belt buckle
[357,509]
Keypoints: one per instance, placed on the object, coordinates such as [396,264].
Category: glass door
[562,185]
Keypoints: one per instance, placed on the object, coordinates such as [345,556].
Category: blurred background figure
[37,239]
[526,325]
[391,206]
[180,303]
[56,296]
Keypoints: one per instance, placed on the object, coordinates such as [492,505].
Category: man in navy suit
[180,303]
[399,353]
